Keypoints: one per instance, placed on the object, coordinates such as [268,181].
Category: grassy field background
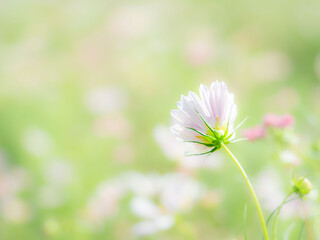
[84,85]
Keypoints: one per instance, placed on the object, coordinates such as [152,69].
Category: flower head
[206,121]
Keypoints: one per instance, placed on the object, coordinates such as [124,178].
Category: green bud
[302,186]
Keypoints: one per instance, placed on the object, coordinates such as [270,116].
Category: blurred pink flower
[124,153]
[254,133]
[15,210]
[112,126]
[104,202]
[272,120]
[287,99]
[131,22]
[271,66]
[200,49]
[106,100]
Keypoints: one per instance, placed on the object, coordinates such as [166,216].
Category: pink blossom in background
[254,133]
[271,66]
[200,49]
[106,100]
[272,120]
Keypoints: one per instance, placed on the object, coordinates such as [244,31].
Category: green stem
[277,216]
[254,196]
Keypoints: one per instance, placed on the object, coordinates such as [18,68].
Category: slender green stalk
[254,196]
[276,210]
[277,215]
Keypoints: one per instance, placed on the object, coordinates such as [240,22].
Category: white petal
[144,207]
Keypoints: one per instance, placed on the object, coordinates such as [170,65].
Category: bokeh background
[85,99]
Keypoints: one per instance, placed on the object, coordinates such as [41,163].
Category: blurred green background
[84,85]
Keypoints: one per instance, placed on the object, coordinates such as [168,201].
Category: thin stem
[254,196]
[274,211]
[277,216]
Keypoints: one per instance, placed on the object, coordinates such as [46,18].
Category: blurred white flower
[132,21]
[156,199]
[171,148]
[196,162]
[269,189]
[50,196]
[15,210]
[106,100]
[289,157]
[104,202]
[143,207]
[205,122]
[12,182]
[142,184]
[149,227]
[116,126]
[37,142]
[177,193]
[180,193]
[298,207]
[59,172]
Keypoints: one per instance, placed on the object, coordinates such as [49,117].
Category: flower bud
[302,186]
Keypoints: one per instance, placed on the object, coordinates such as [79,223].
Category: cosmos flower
[278,121]
[206,121]
[254,133]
